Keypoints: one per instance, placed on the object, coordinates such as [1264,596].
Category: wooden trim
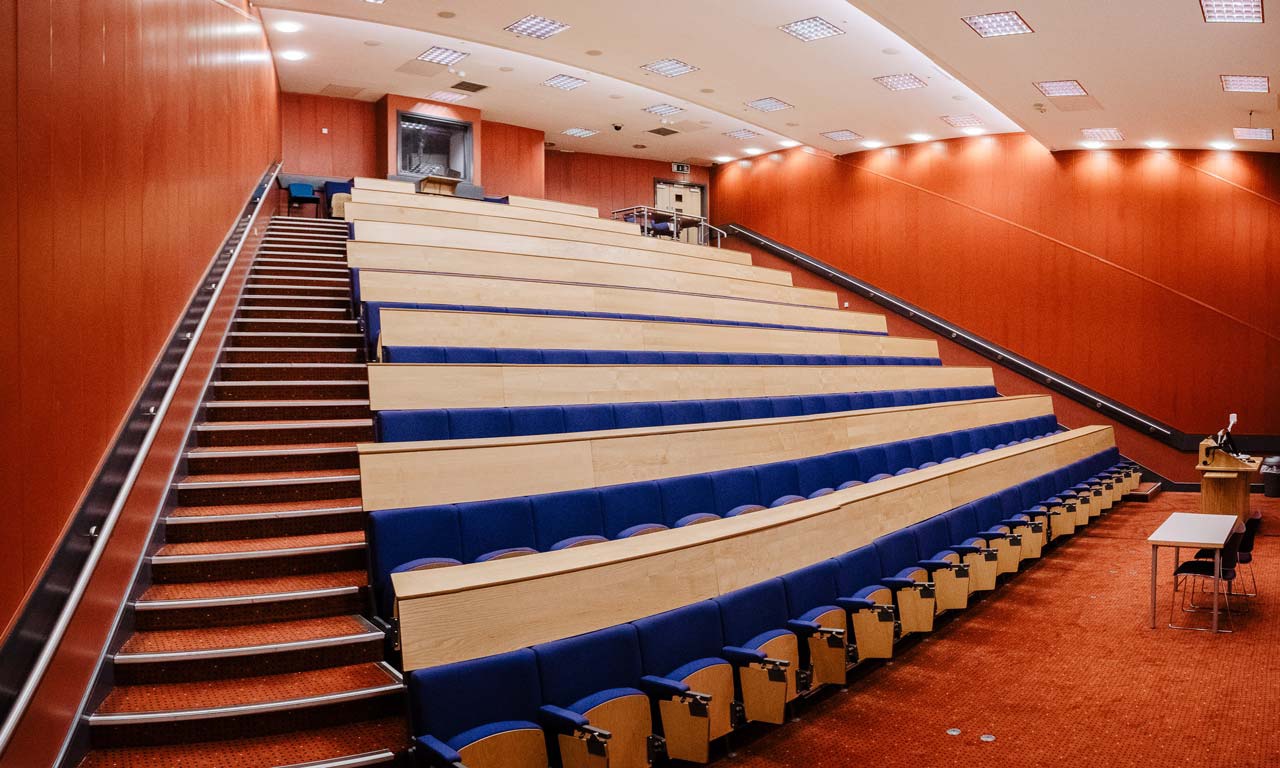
[624,580]
[494,210]
[552,205]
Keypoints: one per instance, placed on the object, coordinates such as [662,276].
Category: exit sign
[679,167]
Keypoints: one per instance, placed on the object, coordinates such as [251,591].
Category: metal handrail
[233,244]
[645,212]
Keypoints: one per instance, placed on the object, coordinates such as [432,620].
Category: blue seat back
[670,640]
[448,700]
[397,536]
[686,495]
[488,526]
[734,488]
[897,550]
[931,537]
[559,516]
[811,587]
[624,506]
[576,667]
[962,522]
[857,569]
[753,610]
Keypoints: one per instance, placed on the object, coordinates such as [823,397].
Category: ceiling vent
[341,91]
[469,87]
[663,131]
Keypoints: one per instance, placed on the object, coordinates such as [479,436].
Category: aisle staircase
[249,647]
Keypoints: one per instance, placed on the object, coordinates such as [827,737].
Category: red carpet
[1061,667]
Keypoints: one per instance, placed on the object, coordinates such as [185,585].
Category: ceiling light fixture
[788,143]
[539,27]
[742,133]
[723,159]
[843,134]
[1246,83]
[579,133]
[669,67]
[901,82]
[1222,145]
[974,130]
[375,2]
[1102,134]
[287,27]
[1092,144]
[447,96]
[873,144]
[962,121]
[293,55]
[564,82]
[662,110]
[1061,88]
[998,24]
[1254,134]
[1232,11]
[439,55]
[919,136]
[769,104]
[810,29]
[1157,144]
[752,151]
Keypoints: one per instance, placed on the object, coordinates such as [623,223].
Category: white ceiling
[737,46]
[1151,67]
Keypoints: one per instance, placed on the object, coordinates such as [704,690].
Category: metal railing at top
[658,222]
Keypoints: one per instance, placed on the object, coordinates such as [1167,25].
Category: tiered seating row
[760,645]
[450,534]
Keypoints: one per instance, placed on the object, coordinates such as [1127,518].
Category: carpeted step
[300,280]
[240,601]
[246,521]
[142,715]
[293,355]
[287,410]
[269,431]
[307,313]
[257,558]
[286,300]
[186,655]
[293,372]
[255,289]
[272,458]
[294,325]
[257,487]
[235,391]
[294,339]
[266,268]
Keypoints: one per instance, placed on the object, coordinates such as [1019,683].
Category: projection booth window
[433,146]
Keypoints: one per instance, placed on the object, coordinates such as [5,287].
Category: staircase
[249,647]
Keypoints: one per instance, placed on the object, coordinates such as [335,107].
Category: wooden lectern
[438,185]
[1224,481]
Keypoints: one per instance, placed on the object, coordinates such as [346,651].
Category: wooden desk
[1185,529]
[438,185]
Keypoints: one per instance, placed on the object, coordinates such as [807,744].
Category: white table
[1184,529]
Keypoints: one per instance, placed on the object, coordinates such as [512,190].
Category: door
[681,198]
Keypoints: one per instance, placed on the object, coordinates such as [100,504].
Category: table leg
[1155,562]
[1177,558]
[1217,579]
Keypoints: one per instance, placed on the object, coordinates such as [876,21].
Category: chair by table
[301,194]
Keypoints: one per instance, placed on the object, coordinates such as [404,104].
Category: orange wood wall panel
[1148,276]
[608,182]
[140,130]
[513,160]
[348,149]
[385,128]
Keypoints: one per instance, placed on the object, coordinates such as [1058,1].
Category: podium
[1224,481]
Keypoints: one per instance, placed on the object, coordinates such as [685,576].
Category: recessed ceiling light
[639,146]
[1254,134]
[998,24]
[842,135]
[1224,145]
[1246,83]
[768,104]
[447,96]
[742,133]
[788,143]
[1157,144]
[440,55]
[375,2]
[901,82]
[1238,11]
[1092,144]
[373,43]
[919,136]
[594,52]
[1061,88]
[723,159]
[662,110]
[872,144]
[446,14]
[564,82]
[810,29]
[293,55]
[962,121]
[506,69]
[890,51]
[287,27]
[579,133]
[974,130]
[1102,134]
[670,67]
[752,151]
[538,27]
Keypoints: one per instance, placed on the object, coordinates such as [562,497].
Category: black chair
[1196,572]
[1251,527]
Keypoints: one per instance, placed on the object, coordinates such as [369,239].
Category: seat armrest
[896,583]
[436,752]
[742,656]
[966,549]
[855,604]
[561,720]
[803,628]
[663,688]
[936,565]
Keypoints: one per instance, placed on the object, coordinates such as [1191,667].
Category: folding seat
[846,471]
[404,426]
[779,483]
[687,500]
[736,492]
[1031,530]
[1061,512]
[681,358]
[817,476]
[900,398]
[881,399]
[410,539]
[636,415]
[837,403]
[1061,488]
[481,713]
[646,357]
[768,358]
[869,602]
[756,407]
[588,418]
[873,463]
[912,592]
[764,651]
[471,423]
[897,458]
[537,420]
[725,409]
[495,530]
[931,540]
[921,449]
[684,671]
[786,406]
[860,401]
[470,355]
[997,534]
[523,357]
[817,617]
[966,539]
[811,405]
[413,354]
[962,443]
[942,447]
[592,681]
[631,509]
[713,358]
[567,519]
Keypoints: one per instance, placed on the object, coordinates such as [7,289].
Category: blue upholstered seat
[751,617]
[585,671]
[675,644]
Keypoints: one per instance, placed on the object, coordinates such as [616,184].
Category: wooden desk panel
[497,210]
[446,615]
[552,205]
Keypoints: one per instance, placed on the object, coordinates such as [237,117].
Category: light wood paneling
[404,386]
[413,327]
[498,210]
[628,579]
[546,204]
[441,472]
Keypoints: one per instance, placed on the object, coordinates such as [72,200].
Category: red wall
[131,133]
[609,182]
[1149,276]
[348,149]
[385,129]
[513,160]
